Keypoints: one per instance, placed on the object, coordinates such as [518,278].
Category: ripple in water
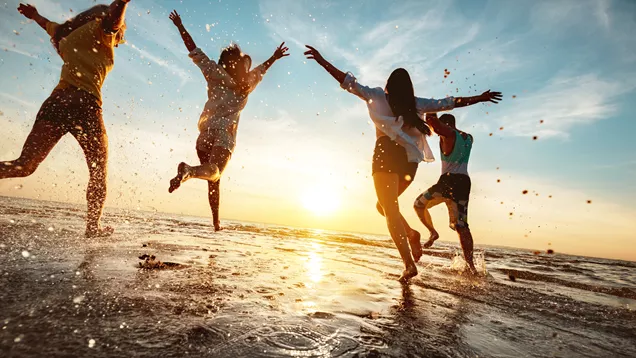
[286,341]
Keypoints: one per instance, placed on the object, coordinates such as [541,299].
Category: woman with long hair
[400,144]
[229,82]
[86,45]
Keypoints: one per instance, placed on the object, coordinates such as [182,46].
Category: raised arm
[487,96]
[347,80]
[116,13]
[280,52]
[313,54]
[440,128]
[255,76]
[185,35]
[31,13]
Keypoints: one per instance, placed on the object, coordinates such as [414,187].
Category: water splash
[459,264]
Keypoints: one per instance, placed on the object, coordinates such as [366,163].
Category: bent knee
[389,209]
[22,169]
[421,202]
[379,208]
[461,227]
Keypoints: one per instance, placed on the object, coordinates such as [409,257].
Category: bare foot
[218,227]
[182,175]
[434,236]
[416,245]
[100,232]
[407,274]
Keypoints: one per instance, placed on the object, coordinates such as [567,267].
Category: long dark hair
[84,17]
[401,96]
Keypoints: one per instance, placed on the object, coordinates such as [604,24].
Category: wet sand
[263,291]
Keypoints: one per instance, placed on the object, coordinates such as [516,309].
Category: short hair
[233,53]
[447,119]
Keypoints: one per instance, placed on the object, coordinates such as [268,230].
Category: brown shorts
[211,148]
[75,111]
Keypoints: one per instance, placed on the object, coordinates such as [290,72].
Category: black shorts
[452,189]
[390,157]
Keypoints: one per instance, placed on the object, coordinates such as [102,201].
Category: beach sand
[255,290]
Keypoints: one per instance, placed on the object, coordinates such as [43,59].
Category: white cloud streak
[171,67]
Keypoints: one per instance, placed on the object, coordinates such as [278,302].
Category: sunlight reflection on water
[314,263]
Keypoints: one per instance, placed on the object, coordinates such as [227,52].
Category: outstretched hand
[281,51]
[493,97]
[176,18]
[313,54]
[29,11]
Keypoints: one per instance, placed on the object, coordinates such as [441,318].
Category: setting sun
[321,201]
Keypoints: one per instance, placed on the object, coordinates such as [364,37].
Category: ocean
[168,285]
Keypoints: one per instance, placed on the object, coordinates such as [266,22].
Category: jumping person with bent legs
[230,82]
[86,45]
[453,186]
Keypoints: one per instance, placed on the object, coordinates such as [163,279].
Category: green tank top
[457,161]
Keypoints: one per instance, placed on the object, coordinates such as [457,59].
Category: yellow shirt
[88,55]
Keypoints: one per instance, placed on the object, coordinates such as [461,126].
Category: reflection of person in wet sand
[85,43]
[453,186]
[230,82]
[400,145]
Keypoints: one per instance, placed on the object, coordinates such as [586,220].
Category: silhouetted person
[86,45]
[229,81]
[453,186]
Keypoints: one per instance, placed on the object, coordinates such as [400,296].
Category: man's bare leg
[421,209]
[466,240]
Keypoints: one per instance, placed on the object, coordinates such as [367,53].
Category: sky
[566,69]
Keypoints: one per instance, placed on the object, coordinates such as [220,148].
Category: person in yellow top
[86,45]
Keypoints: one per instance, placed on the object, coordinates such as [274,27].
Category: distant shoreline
[481,246]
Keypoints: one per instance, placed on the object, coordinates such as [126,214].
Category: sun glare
[321,201]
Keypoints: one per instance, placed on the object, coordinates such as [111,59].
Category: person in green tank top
[453,186]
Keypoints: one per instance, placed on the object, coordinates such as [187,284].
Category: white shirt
[225,100]
[414,141]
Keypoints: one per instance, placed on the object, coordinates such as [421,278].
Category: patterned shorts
[452,189]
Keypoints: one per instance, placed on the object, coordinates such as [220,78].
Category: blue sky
[569,63]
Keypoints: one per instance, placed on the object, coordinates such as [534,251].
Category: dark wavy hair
[81,19]
[401,97]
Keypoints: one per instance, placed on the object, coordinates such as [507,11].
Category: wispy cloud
[418,37]
[18,100]
[10,47]
[563,103]
[171,67]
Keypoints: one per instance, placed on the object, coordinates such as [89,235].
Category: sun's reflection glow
[314,263]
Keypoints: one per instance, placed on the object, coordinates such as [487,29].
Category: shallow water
[257,290]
